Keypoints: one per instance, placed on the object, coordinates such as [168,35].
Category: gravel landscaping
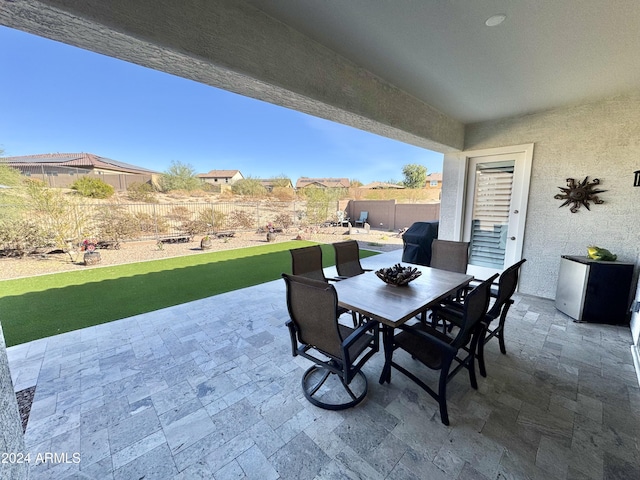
[143,251]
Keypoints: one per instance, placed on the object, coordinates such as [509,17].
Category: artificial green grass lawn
[38,307]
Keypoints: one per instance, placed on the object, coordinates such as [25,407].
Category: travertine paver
[209,389]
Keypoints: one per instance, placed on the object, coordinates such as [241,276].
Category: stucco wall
[389,215]
[601,140]
[11,438]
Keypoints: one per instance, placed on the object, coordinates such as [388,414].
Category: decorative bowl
[398,275]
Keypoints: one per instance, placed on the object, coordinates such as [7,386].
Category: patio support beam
[232,45]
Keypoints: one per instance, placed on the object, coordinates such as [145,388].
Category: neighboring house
[305,182]
[268,184]
[434,180]
[56,163]
[62,169]
[381,185]
[221,177]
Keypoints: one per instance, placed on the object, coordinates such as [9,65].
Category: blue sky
[58,98]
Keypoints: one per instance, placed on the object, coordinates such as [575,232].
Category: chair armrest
[294,338]
[450,311]
[359,332]
[431,336]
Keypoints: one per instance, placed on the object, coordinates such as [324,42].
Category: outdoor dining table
[393,305]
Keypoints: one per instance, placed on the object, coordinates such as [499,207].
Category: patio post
[11,436]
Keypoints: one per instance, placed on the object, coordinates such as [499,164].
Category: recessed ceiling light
[495,20]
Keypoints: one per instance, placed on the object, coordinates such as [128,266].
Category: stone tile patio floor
[209,389]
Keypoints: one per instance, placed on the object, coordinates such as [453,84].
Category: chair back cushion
[307,262]
[450,255]
[348,258]
[312,307]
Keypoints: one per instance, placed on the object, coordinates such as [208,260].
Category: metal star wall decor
[580,193]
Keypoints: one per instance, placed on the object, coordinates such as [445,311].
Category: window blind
[490,222]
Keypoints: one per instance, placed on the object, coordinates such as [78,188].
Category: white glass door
[496,202]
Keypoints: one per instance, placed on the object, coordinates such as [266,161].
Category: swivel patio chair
[437,351]
[307,262]
[335,381]
[364,216]
[452,312]
[348,259]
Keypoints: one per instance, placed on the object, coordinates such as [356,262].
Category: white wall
[601,140]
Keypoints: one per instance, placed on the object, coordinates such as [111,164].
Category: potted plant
[205,243]
[91,257]
[271,232]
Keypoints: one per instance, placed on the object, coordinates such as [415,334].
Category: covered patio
[209,389]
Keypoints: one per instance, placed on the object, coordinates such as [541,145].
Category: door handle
[512,238]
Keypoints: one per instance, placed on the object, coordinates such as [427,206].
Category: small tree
[322,203]
[415,176]
[62,216]
[179,176]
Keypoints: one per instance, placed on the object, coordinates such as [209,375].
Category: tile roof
[219,174]
[434,176]
[323,182]
[75,160]
[381,185]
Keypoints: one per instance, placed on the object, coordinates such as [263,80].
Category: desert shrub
[115,223]
[194,227]
[249,187]
[148,224]
[284,220]
[241,219]
[180,214]
[92,187]
[214,218]
[9,176]
[141,192]
[19,237]
[283,193]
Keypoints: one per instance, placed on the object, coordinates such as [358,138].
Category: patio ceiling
[544,55]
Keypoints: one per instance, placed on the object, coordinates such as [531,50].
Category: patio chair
[343,219]
[450,255]
[335,381]
[307,262]
[364,216]
[437,351]
[452,312]
[348,259]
